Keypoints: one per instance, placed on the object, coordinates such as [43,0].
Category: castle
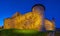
[31,20]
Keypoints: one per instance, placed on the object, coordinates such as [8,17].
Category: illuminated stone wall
[28,21]
[49,24]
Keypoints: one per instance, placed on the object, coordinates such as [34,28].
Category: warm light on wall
[28,21]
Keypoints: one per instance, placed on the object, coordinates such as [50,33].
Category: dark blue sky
[9,7]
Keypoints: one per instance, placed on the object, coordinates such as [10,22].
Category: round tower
[39,8]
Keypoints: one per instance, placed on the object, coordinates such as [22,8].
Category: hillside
[15,32]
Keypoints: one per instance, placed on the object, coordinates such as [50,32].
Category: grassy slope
[14,32]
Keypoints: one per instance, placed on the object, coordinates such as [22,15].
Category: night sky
[9,7]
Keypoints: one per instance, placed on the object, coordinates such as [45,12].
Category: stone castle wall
[27,21]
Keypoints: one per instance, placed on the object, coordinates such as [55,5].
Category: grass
[16,32]
[26,31]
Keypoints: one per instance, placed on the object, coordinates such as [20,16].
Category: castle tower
[39,9]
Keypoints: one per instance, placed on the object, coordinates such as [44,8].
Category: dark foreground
[15,32]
